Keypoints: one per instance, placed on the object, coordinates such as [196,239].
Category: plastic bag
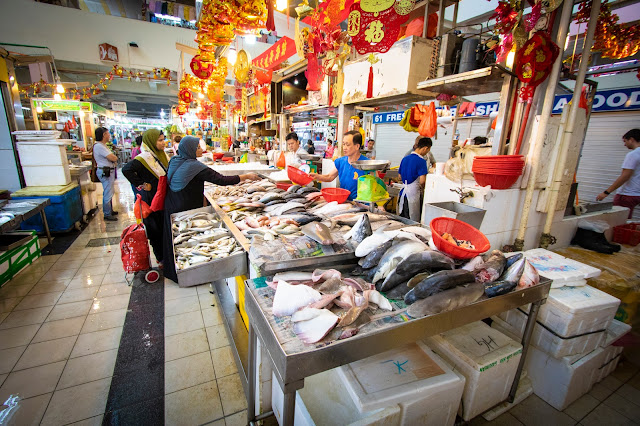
[141,209]
[371,188]
[460,165]
[598,226]
[282,161]
[429,124]
[405,123]
[244,158]
[157,204]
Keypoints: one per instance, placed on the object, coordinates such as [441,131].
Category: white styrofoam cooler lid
[580,299]
[60,142]
[559,268]
[479,345]
[398,375]
[616,330]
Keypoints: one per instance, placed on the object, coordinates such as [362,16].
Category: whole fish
[507,282]
[440,281]
[512,259]
[491,269]
[418,279]
[473,263]
[372,242]
[426,260]
[293,188]
[307,190]
[318,232]
[301,218]
[270,197]
[292,276]
[291,195]
[372,259]
[311,325]
[398,292]
[529,277]
[447,300]
[361,230]
[418,230]
[388,224]
[395,255]
[352,218]
[394,279]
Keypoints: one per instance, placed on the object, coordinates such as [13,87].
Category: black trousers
[154,224]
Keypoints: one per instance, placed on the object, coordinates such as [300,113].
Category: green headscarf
[149,140]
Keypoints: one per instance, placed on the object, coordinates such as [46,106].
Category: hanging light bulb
[57,97]
[11,78]
[59,86]
[511,56]
[295,81]
[232,55]
[282,5]
[39,109]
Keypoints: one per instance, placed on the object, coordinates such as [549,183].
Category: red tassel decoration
[330,94]
[271,26]
[370,83]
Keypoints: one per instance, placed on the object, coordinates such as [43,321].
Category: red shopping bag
[134,248]
[157,204]
[429,124]
[141,209]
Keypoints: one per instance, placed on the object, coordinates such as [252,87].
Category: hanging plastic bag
[405,124]
[141,209]
[282,161]
[429,124]
[244,158]
[371,188]
[157,204]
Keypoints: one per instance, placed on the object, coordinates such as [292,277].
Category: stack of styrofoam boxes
[486,358]
[565,358]
[616,330]
[43,157]
[562,271]
[405,386]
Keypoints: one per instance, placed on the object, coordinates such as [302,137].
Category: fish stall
[326,284]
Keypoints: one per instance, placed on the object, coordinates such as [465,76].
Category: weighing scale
[372,166]
[309,159]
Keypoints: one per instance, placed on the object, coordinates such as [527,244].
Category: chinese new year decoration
[241,68]
[614,40]
[374,25]
[201,69]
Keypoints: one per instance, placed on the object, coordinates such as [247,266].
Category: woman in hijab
[143,172]
[186,177]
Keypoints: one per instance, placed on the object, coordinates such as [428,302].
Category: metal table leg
[251,375]
[526,339]
[289,408]
[46,225]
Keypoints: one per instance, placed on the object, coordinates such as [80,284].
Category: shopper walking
[328,153]
[144,172]
[629,179]
[106,167]
[186,177]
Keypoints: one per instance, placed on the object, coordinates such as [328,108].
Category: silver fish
[395,254]
[318,232]
[447,300]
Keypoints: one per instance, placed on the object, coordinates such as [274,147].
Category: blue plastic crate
[63,212]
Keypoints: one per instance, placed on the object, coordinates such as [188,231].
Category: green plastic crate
[13,261]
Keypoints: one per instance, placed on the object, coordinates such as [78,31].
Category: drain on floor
[99,242]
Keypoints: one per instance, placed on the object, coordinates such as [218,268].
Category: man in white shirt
[106,170]
[292,157]
[629,179]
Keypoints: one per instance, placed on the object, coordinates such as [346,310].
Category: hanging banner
[276,54]
[119,107]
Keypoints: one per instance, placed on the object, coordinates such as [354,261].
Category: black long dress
[137,174]
[191,197]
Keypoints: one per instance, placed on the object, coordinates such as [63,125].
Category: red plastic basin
[335,194]
[297,176]
[496,181]
[283,186]
[461,231]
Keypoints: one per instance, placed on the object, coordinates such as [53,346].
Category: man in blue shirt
[413,172]
[348,175]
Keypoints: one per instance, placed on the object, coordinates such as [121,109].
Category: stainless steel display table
[293,361]
[24,209]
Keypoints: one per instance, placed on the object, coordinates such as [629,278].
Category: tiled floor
[61,321]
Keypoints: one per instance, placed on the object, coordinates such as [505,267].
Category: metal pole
[46,225]
[526,340]
[251,375]
[571,123]
[440,17]
[289,408]
[547,108]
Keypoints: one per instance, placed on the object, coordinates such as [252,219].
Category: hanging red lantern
[182,109]
[185,96]
[534,59]
[201,69]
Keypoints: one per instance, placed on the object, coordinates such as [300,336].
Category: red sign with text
[276,54]
[108,52]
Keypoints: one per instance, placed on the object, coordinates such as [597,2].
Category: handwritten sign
[108,52]
[276,54]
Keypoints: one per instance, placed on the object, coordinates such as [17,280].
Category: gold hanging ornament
[242,67]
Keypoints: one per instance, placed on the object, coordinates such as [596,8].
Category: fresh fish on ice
[372,259]
[438,282]
[425,260]
[491,269]
[398,292]
[507,282]
[512,259]
[361,229]
[447,300]
[395,255]
[289,298]
[530,276]
[372,242]
[318,232]
[311,325]
[394,279]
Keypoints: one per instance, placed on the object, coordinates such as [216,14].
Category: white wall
[9,178]
[74,35]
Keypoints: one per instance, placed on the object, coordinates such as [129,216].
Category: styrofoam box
[525,389]
[43,153]
[486,358]
[616,330]
[426,388]
[559,268]
[324,401]
[46,175]
[558,381]
[571,311]
[543,338]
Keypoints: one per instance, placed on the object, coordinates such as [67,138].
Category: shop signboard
[604,101]
[108,53]
[276,54]
[52,105]
[119,107]
[98,109]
